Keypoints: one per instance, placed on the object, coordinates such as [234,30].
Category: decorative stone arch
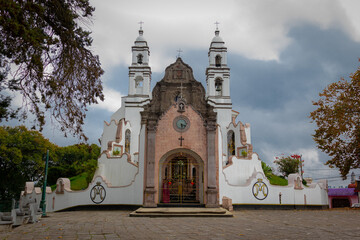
[179,76]
[195,171]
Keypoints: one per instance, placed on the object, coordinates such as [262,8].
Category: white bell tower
[218,73]
[139,71]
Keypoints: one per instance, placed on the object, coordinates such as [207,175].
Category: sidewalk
[246,224]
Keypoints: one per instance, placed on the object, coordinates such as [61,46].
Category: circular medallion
[97,193]
[260,190]
[181,123]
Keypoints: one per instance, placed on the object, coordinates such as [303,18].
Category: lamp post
[43,201]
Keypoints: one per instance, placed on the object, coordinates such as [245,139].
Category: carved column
[149,194]
[212,190]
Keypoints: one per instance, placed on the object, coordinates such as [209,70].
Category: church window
[218,61]
[231,143]
[140,59]
[138,82]
[218,87]
[127,140]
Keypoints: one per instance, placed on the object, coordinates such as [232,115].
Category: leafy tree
[287,165]
[74,160]
[338,123]
[53,67]
[5,101]
[21,159]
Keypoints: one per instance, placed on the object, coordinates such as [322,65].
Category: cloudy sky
[281,55]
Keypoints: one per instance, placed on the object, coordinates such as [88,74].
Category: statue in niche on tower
[181,105]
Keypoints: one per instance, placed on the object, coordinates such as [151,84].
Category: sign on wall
[260,190]
[97,193]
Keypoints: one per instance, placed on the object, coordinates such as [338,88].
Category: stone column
[212,190]
[149,194]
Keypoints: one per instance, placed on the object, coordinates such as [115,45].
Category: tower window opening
[218,61]
[139,59]
[218,87]
[138,82]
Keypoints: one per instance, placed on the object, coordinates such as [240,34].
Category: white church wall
[123,183]
[109,132]
[119,171]
[247,133]
[97,193]
[241,191]
[241,170]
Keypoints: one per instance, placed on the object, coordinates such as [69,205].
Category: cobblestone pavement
[246,224]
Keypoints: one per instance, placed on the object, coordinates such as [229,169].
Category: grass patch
[276,180]
[78,182]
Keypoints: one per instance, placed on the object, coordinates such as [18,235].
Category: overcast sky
[281,54]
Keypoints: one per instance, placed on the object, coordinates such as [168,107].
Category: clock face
[181,123]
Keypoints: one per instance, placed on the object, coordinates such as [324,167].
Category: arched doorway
[181,178]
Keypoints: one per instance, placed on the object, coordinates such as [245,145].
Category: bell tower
[140,71]
[218,73]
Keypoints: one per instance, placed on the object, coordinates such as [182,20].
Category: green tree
[21,159]
[287,165]
[338,123]
[74,160]
[53,68]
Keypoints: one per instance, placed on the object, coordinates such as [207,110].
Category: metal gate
[181,181]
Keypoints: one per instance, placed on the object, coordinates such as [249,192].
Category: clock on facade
[181,123]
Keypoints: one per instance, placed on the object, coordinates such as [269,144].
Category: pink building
[342,197]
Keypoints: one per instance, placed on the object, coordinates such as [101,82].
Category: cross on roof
[141,23]
[179,52]
[217,25]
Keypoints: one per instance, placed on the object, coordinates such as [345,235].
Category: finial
[141,30]
[141,23]
[217,28]
[217,25]
[179,53]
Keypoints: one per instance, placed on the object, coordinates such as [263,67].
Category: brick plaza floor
[246,224]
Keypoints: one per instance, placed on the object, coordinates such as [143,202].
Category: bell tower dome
[139,71]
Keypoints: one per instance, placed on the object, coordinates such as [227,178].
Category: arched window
[127,140]
[138,82]
[231,143]
[218,87]
[140,59]
[218,61]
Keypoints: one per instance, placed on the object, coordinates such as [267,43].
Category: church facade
[180,144]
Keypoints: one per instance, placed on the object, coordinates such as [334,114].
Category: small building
[342,197]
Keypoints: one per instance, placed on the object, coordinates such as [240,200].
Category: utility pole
[43,201]
[301,169]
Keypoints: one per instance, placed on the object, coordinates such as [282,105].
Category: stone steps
[181,212]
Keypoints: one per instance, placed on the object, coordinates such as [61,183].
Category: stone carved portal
[179,79]
[181,180]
